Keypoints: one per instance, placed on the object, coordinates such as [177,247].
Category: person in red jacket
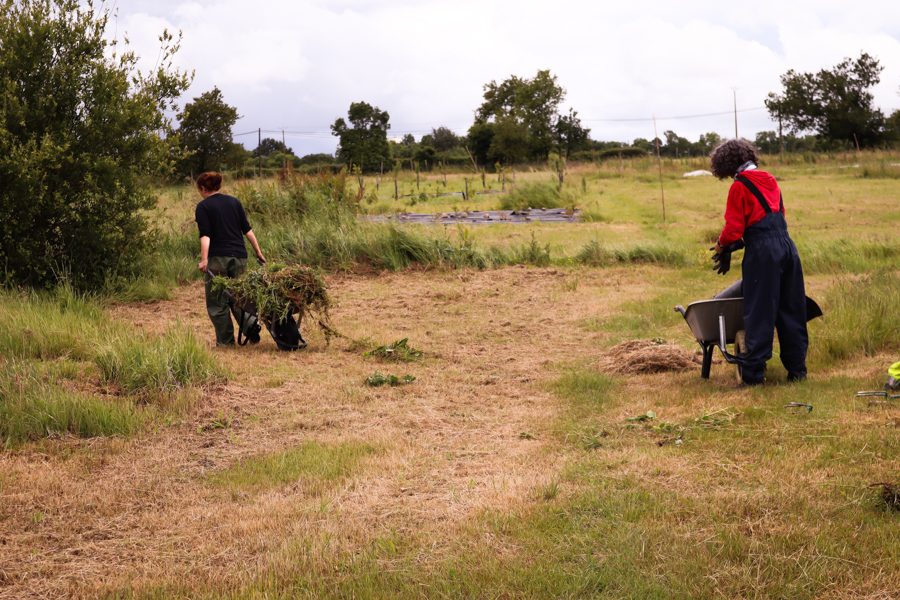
[774,294]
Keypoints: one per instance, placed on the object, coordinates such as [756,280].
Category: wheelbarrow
[720,321]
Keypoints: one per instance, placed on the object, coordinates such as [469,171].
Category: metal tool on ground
[879,393]
[807,407]
[720,321]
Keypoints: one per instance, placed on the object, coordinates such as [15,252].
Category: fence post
[396,194]
[466,195]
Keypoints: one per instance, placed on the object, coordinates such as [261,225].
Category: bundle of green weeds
[279,291]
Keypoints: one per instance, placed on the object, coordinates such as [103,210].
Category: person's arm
[252,237]
[204,253]
[735,220]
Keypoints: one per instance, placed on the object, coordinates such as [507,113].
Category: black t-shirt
[222,219]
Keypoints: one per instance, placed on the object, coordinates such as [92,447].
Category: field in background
[151,466]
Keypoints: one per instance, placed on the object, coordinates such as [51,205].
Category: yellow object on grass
[894,371]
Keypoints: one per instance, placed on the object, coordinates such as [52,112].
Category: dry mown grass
[79,516]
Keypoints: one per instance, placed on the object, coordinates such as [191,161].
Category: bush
[79,134]
[536,195]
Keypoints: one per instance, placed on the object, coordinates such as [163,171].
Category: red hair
[210,182]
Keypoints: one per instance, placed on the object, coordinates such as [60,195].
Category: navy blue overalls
[774,295]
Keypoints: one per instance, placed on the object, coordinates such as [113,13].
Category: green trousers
[217,302]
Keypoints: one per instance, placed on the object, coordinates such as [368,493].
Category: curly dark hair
[727,157]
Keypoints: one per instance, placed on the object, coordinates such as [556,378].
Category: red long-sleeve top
[743,209]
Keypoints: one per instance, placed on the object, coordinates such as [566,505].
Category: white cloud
[299,64]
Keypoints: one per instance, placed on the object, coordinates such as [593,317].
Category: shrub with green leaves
[80,129]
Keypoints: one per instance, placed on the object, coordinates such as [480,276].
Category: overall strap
[755,191]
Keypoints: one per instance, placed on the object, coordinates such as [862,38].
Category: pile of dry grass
[648,356]
[276,291]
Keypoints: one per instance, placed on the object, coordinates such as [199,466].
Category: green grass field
[139,462]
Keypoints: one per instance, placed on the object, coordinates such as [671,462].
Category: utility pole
[283,153]
[780,137]
[735,112]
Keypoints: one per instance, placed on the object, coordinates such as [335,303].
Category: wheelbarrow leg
[707,359]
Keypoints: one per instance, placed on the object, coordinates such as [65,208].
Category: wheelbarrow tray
[703,317]
[716,322]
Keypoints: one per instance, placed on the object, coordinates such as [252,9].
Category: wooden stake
[659,161]
[466,196]
[474,164]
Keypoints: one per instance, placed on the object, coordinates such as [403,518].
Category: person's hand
[721,260]
[260,258]
[202,266]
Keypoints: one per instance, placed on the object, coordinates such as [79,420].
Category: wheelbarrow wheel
[739,346]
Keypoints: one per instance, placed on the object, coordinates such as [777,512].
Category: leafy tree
[80,131]
[570,135]
[510,141]
[675,145]
[365,143]
[205,132]
[268,145]
[317,159]
[533,103]
[481,136]
[444,139]
[836,103]
[408,140]
[892,127]
[707,142]
[424,153]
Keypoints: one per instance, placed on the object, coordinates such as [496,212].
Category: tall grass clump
[34,406]
[880,170]
[537,195]
[49,324]
[173,262]
[312,221]
[848,256]
[662,252]
[157,366]
[861,318]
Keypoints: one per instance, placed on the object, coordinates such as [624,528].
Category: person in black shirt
[222,224]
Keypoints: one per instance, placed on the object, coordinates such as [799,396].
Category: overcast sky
[297,65]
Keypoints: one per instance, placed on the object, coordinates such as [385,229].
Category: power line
[717,114]
[325,134]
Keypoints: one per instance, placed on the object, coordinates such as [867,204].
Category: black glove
[738,245]
[721,262]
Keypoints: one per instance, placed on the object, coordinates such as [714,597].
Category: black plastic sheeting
[483,217]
